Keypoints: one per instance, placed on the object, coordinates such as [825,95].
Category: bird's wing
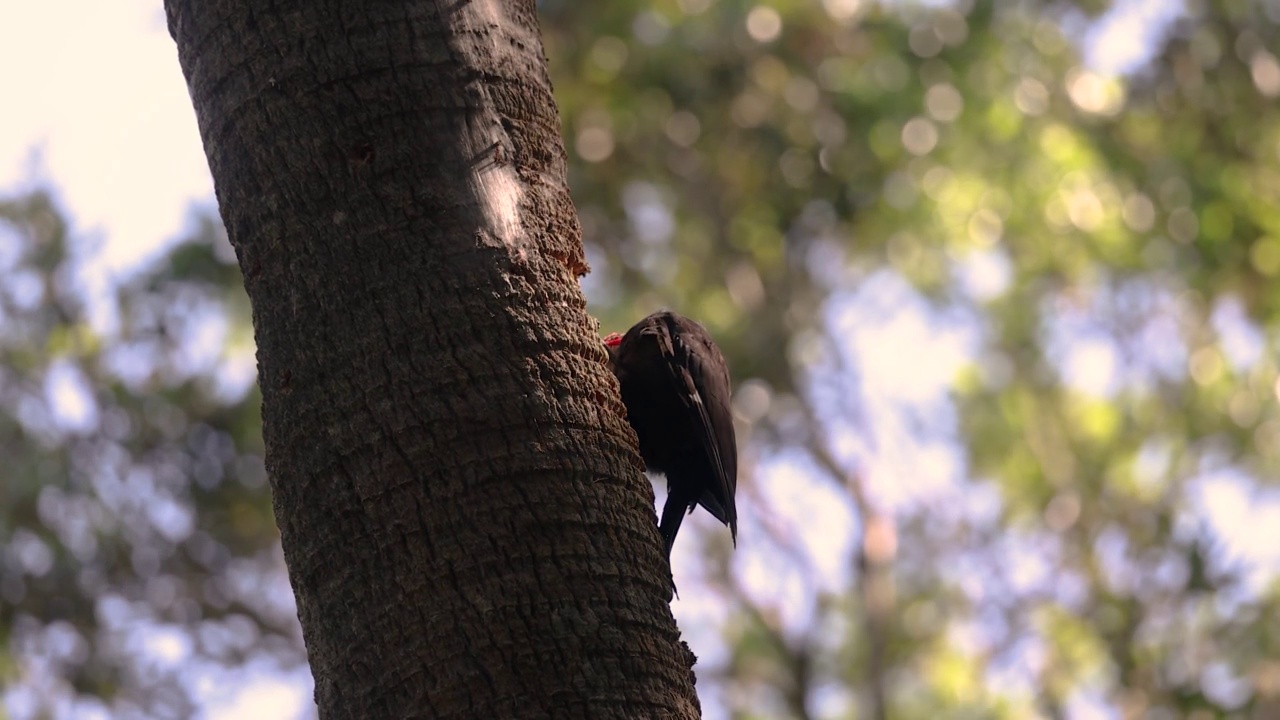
[710,404]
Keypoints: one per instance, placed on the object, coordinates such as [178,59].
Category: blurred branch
[875,582]
[798,658]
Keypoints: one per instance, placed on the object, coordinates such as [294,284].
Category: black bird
[675,385]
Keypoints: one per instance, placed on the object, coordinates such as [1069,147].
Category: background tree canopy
[1002,321]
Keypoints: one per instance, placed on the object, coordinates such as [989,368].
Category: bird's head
[612,345]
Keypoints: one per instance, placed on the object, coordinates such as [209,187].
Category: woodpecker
[675,385]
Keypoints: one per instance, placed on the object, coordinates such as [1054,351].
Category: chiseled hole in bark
[495,183]
[499,192]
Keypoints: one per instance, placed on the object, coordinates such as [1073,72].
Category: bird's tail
[673,513]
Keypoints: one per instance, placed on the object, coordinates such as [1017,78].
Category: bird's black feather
[675,385]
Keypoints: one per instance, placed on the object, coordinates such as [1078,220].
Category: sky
[107,118]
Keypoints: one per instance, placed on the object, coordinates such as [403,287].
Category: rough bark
[459,498]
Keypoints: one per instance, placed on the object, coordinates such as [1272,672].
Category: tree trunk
[460,501]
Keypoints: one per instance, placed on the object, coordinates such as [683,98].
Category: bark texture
[458,494]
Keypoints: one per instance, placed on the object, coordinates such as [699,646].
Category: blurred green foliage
[141,562]
[1053,492]
[1108,244]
